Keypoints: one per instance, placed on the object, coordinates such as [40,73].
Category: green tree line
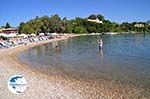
[54,23]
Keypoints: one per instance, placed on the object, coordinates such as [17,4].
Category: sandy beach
[65,86]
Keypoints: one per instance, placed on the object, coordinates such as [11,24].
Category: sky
[16,11]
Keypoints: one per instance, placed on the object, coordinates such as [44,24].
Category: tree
[92,29]
[46,23]
[78,25]
[21,27]
[92,16]
[27,29]
[148,22]
[7,25]
[55,24]
[125,26]
[70,26]
[100,17]
[80,29]
[36,25]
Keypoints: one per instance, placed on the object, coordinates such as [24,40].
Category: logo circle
[17,84]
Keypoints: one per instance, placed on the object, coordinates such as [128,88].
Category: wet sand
[60,85]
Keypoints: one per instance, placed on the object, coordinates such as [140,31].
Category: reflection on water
[123,57]
[101,54]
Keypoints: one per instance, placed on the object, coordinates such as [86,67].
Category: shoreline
[44,86]
[38,85]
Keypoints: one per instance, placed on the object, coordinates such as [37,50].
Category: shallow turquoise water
[124,57]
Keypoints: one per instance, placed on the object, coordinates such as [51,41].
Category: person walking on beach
[100,43]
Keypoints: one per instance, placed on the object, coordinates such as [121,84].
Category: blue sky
[16,11]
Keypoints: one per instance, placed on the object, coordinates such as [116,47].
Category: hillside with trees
[54,23]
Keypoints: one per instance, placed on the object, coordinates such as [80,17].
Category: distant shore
[42,86]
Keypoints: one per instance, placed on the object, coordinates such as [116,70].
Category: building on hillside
[1,30]
[139,25]
[10,31]
[96,21]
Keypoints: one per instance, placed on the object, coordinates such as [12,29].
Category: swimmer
[100,43]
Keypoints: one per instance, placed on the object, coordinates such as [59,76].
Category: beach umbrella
[23,35]
[54,34]
[33,34]
[41,34]
[3,34]
[11,35]
[8,35]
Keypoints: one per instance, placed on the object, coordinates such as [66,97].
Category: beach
[63,86]
[38,85]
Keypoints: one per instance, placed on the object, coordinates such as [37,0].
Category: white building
[139,25]
[96,21]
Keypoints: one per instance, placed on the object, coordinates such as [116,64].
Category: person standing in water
[100,43]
